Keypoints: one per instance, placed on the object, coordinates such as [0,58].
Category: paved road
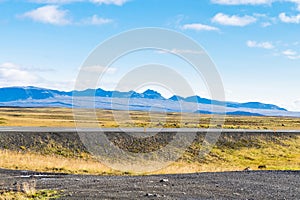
[226,185]
[53,129]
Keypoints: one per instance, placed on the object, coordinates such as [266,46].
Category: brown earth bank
[69,144]
[222,185]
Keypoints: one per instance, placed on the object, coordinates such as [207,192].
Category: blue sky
[255,44]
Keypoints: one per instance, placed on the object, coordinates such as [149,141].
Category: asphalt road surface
[61,130]
[225,185]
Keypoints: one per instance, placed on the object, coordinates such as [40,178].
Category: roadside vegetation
[63,153]
[231,153]
[64,117]
[32,195]
[26,190]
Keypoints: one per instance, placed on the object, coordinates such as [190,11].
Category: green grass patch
[33,195]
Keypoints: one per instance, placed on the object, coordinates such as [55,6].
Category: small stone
[149,195]
[262,167]
[152,195]
[164,180]
[247,169]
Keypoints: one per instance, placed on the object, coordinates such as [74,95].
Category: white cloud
[261,15]
[254,2]
[49,14]
[95,20]
[296,43]
[265,19]
[289,19]
[54,1]
[242,2]
[291,105]
[266,24]
[181,51]
[99,69]
[108,2]
[114,2]
[12,74]
[291,54]
[233,20]
[294,57]
[199,27]
[297,2]
[264,45]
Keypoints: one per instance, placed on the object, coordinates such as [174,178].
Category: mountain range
[37,97]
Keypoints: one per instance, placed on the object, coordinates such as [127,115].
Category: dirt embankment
[68,144]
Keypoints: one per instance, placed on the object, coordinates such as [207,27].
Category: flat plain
[265,148]
[64,117]
[57,152]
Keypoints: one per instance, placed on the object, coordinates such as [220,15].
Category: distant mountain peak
[152,94]
[9,94]
[149,91]
[176,98]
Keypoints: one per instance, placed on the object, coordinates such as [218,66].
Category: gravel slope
[225,185]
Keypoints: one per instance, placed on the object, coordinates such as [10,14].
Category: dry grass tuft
[51,163]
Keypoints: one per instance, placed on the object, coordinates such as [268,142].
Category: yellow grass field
[270,155]
[64,117]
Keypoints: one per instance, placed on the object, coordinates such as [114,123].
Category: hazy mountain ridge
[240,113]
[148,100]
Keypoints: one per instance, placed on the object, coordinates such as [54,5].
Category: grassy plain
[64,117]
[277,153]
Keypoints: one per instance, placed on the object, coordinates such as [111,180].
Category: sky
[254,44]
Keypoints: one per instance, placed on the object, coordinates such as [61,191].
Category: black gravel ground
[225,185]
